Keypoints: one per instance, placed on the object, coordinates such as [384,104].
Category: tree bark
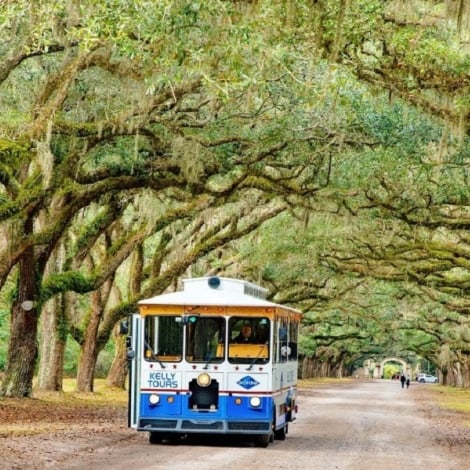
[118,372]
[51,347]
[119,368]
[22,347]
[89,348]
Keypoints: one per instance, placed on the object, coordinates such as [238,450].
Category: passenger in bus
[245,335]
[262,334]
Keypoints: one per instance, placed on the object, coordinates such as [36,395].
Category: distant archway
[406,368]
[375,368]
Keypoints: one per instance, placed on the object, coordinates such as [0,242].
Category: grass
[454,399]
[317,381]
[103,394]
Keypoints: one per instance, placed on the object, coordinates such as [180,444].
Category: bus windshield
[205,339]
[163,338]
[249,339]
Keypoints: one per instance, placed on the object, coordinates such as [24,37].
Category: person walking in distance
[402,380]
[407,381]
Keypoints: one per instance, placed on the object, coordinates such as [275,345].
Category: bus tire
[263,440]
[280,434]
[156,437]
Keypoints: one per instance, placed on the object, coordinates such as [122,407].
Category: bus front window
[163,339]
[205,339]
[249,339]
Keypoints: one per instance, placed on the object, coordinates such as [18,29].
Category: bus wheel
[280,434]
[264,440]
[156,437]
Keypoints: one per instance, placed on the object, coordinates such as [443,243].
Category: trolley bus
[213,358]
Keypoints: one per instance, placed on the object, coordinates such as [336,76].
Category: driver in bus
[245,335]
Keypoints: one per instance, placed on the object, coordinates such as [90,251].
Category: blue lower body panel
[229,415]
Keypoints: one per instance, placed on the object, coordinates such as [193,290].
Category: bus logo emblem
[247,382]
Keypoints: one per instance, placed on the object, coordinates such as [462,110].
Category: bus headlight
[255,402]
[154,399]
[204,379]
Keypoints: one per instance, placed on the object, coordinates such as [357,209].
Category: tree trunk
[119,368]
[22,354]
[118,372]
[51,347]
[89,348]
[22,347]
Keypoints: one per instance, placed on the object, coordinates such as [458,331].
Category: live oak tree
[106,102]
[179,127]
[417,194]
[401,206]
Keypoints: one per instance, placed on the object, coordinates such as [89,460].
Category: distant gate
[375,369]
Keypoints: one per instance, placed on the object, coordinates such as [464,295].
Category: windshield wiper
[206,365]
[154,356]
[257,357]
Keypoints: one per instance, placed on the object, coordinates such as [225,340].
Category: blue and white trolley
[192,372]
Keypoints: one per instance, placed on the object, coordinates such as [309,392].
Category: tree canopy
[143,141]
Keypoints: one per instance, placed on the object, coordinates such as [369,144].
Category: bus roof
[216,291]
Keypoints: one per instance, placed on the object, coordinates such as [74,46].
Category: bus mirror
[123,327]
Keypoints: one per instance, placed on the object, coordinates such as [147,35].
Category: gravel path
[359,425]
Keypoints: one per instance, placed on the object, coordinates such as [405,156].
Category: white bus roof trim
[224,292]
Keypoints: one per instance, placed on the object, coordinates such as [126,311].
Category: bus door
[134,357]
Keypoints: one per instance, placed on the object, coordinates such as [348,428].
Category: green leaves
[193,122]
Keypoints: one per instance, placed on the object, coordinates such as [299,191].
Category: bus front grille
[158,423]
[202,425]
[248,426]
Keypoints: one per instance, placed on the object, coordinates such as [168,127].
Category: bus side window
[294,328]
[262,333]
[293,351]
[284,350]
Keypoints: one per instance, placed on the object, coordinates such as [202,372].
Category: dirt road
[360,425]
